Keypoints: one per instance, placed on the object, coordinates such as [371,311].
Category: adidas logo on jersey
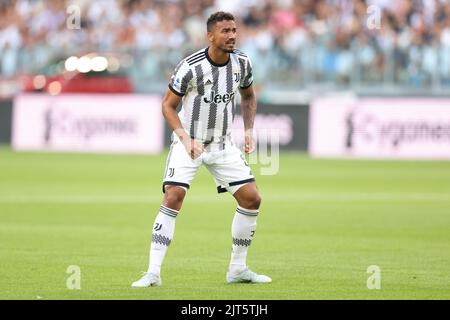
[218,98]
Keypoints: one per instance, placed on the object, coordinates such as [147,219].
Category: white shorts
[228,166]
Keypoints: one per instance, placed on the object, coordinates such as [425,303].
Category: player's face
[223,36]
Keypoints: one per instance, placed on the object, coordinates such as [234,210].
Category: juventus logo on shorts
[157,227]
[171,172]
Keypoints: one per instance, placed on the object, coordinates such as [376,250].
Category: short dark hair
[216,17]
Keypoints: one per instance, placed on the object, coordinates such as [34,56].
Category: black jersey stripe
[249,76]
[229,82]
[225,124]
[200,55]
[242,66]
[184,83]
[233,110]
[193,57]
[197,60]
[229,78]
[212,116]
[197,100]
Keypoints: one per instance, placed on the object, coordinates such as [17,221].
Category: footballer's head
[222,31]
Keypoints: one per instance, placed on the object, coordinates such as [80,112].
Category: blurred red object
[76,82]
[88,73]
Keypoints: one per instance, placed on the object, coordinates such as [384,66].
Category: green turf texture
[322,223]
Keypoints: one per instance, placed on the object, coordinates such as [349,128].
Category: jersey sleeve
[180,79]
[247,79]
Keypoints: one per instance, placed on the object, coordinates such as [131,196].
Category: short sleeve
[180,79]
[247,79]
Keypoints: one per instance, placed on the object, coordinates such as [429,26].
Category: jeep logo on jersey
[218,98]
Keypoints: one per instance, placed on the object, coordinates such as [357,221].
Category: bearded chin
[227,50]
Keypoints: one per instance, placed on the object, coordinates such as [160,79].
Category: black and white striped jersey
[208,90]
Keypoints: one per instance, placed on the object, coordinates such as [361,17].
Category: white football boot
[247,276]
[148,280]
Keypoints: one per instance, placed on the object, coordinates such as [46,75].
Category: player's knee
[252,202]
[173,197]
[256,202]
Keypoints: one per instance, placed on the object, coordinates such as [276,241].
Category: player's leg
[244,225]
[232,173]
[173,197]
[180,170]
[164,227]
[243,229]
[247,196]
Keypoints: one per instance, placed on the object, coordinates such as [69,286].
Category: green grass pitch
[322,224]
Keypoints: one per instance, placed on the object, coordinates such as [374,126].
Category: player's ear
[210,36]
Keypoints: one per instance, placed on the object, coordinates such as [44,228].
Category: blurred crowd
[292,42]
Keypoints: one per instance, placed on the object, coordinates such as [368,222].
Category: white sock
[163,230]
[242,231]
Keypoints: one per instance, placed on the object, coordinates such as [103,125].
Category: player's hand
[193,148]
[249,145]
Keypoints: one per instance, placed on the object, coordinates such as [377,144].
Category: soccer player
[206,83]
